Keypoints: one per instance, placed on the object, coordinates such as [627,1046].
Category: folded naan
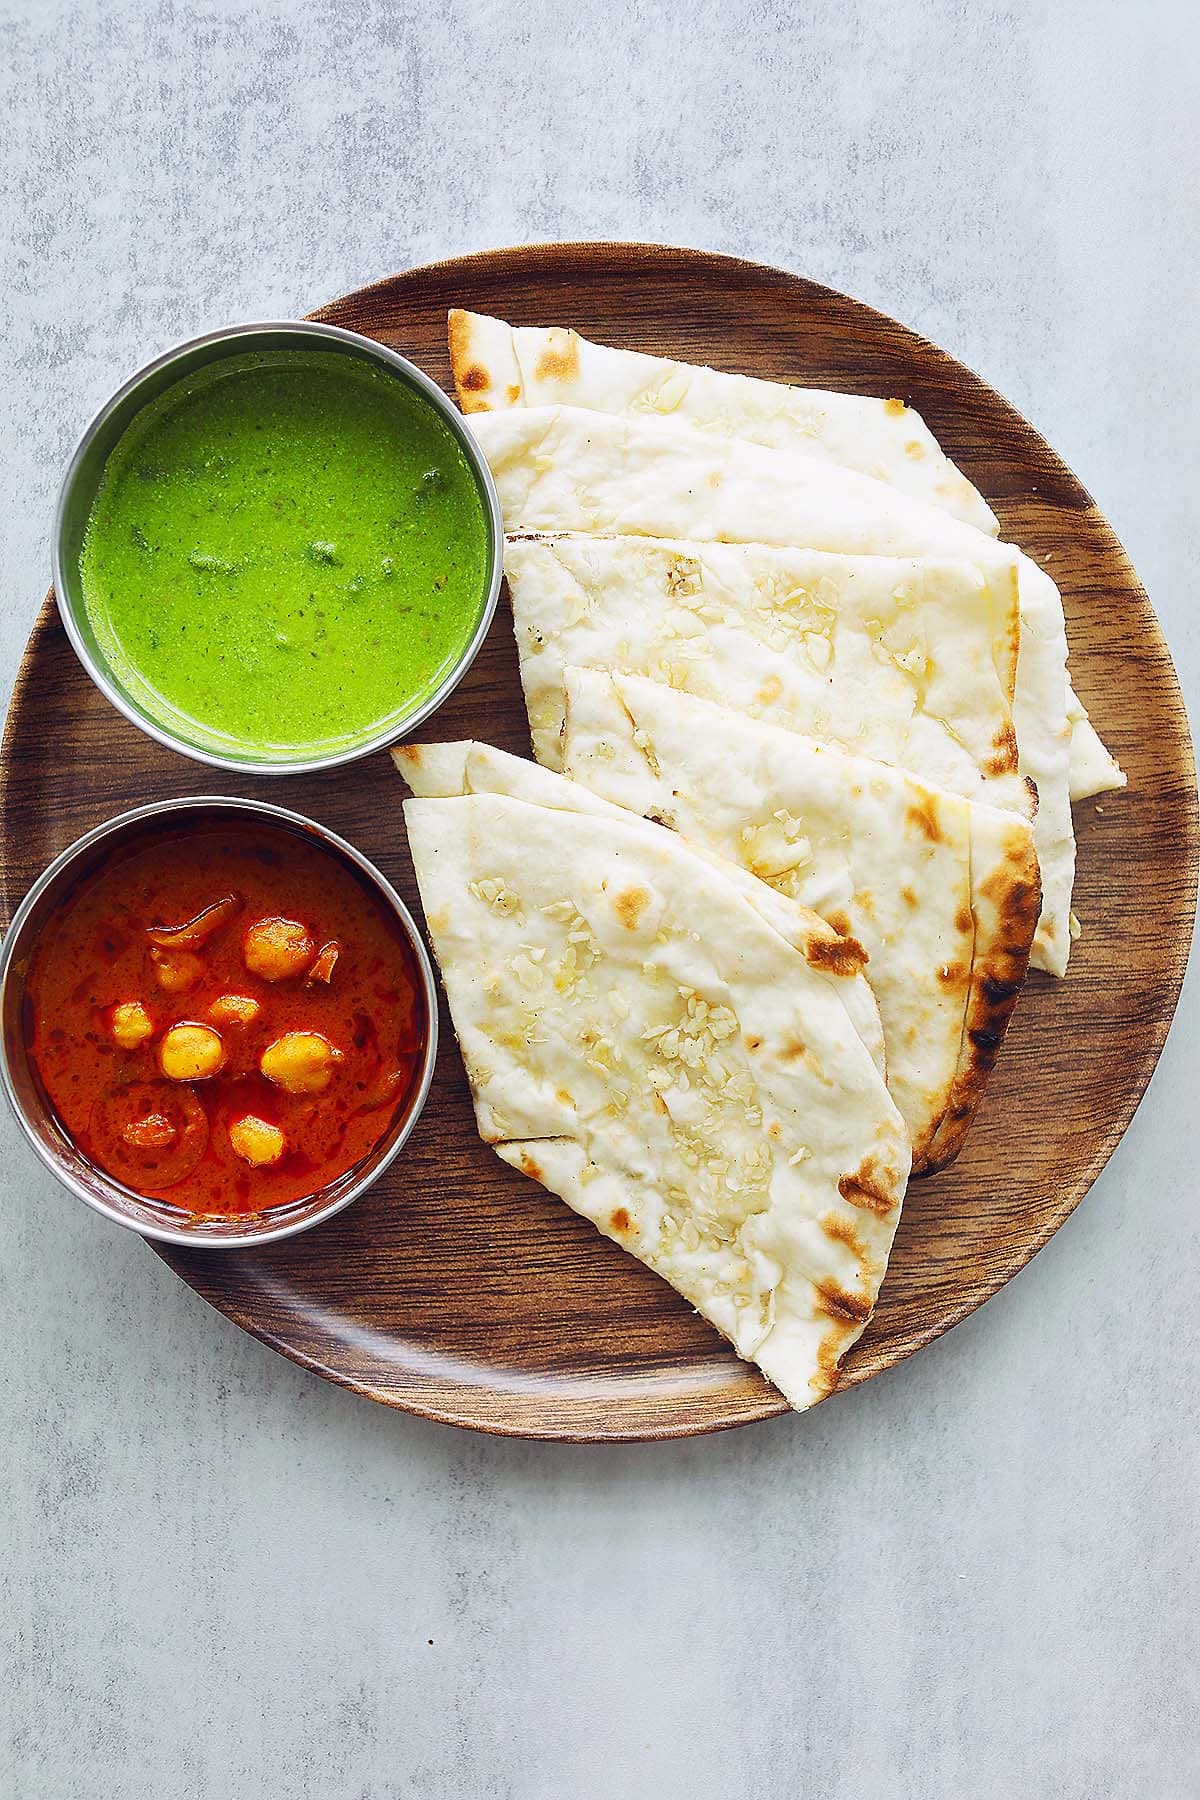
[1094,770]
[441,771]
[941,892]
[640,1040]
[564,469]
[907,660]
[497,366]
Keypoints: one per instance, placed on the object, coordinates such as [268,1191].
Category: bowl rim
[397,728]
[330,840]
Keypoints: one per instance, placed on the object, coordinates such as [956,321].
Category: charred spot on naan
[629,905]
[1003,757]
[922,815]
[560,359]
[470,378]
[1015,891]
[1010,649]
[842,1230]
[825,1378]
[869,1187]
[835,955]
[837,1303]
[1008,901]
[950,1115]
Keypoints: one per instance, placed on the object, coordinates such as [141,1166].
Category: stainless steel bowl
[82,479]
[157,1218]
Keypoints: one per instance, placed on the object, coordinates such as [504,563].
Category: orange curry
[227,1017]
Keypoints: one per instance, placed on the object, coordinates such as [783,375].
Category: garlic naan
[640,1040]
[497,366]
[564,469]
[907,660]
[941,892]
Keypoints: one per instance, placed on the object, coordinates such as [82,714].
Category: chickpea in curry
[227,1017]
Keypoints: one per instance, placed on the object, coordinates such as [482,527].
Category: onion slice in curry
[197,930]
[324,963]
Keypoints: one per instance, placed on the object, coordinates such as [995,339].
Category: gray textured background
[978,1576]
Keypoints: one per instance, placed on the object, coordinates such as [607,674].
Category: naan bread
[907,660]
[563,469]
[497,366]
[441,771]
[1093,769]
[941,892]
[642,1042]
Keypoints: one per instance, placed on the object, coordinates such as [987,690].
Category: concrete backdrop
[979,1576]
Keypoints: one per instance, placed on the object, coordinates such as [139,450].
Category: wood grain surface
[460,1290]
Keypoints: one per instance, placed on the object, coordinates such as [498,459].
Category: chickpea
[131,1024]
[176,971]
[301,1062]
[234,1009]
[276,949]
[191,1053]
[153,1132]
[256,1142]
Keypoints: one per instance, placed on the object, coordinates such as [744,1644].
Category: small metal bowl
[158,1218]
[81,482]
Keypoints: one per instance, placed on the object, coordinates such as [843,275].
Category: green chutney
[287,550]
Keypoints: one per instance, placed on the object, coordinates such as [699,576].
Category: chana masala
[225,1016]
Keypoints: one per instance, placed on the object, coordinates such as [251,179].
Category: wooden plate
[456,1288]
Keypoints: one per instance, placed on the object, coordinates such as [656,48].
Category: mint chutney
[287,549]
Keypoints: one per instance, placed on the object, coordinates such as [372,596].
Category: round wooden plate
[462,1291]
